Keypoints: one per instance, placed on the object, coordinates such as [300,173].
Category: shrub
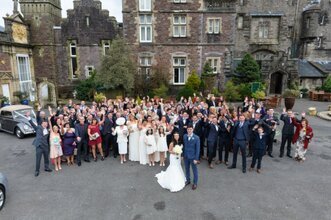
[86,89]
[231,92]
[99,97]
[186,92]
[161,91]
[291,93]
[258,95]
[244,89]
[327,85]
[193,81]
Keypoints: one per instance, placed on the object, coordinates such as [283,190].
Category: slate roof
[307,70]
[324,66]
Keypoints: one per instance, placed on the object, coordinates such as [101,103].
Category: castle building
[16,59]
[66,50]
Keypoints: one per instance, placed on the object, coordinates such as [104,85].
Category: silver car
[3,190]
[13,120]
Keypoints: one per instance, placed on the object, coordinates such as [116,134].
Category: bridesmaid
[133,138]
[122,133]
[55,146]
[69,143]
[142,147]
[150,146]
[161,145]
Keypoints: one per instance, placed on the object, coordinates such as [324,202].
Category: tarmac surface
[106,189]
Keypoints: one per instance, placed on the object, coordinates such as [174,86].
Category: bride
[173,178]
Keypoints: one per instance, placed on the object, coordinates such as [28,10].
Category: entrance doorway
[6,91]
[276,83]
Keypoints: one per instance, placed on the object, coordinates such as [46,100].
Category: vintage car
[13,120]
[3,190]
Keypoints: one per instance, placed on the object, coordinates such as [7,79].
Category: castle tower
[43,16]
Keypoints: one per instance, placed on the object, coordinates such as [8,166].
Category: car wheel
[19,133]
[2,197]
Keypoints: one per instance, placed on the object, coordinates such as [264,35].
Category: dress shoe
[281,155]
[270,155]
[231,167]
[249,155]
[79,164]
[226,163]
[36,173]
[289,156]
[86,160]
[244,170]
[218,162]
[48,170]
[187,183]
[258,171]
[194,187]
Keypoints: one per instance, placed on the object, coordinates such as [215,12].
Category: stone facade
[67,50]
[16,60]
[181,36]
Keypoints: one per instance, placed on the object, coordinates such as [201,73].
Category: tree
[230,93]
[208,78]
[194,81]
[327,84]
[247,71]
[87,88]
[118,69]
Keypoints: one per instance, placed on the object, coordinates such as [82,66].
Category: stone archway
[277,82]
[47,94]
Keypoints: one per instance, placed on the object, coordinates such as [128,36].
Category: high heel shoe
[102,158]
[95,159]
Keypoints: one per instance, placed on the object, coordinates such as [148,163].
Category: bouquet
[178,150]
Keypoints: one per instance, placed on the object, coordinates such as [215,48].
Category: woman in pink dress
[95,139]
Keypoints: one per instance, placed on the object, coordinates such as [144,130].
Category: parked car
[13,120]
[3,190]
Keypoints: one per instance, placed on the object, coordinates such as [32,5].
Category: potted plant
[22,96]
[4,101]
[289,96]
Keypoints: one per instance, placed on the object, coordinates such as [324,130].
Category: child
[151,146]
[259,147]
[162,145]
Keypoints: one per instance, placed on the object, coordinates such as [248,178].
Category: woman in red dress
[302,137]
[95,139]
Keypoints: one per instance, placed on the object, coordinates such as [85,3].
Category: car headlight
[26,127]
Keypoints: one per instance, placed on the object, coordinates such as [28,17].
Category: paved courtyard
[108,190]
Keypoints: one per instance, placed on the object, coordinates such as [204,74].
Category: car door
[7,121]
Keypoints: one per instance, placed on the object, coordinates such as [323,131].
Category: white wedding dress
[173,178]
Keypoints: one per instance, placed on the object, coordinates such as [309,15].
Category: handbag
[94,136]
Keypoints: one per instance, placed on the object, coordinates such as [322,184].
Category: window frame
[212,28]
[88,73]
[179,1]
[24,72]
[145,3]
[73,44]
[144,25]
[216,68]
[180,25]
[180,67]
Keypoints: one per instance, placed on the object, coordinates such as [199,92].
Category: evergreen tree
[247,71]
[118,69]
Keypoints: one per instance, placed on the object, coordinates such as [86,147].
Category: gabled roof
[307,70]
[324,66]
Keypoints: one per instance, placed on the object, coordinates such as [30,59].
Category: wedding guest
[225,126]
[55,147]
[240,135]
[150,146]
[69,143]
[107,133]
[82,140]
[212,137]
[95,139]
[133,138]
[41,143]
[259,147]
[122,133]
[302,137]
[162,146]
[272,121]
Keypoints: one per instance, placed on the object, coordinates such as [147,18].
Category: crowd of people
[143,130]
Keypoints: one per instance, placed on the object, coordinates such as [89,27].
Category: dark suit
[212,138]
[224,141]
[271,134]
[191,153]
[211,103]
[81,131]
[107,134]
[181,124]
[287,134]
[198,129]
[41,142]
[259,147]
[241,140]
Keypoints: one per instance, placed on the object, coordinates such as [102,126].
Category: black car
[13,120]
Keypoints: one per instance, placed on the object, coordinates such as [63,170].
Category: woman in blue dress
[69,143]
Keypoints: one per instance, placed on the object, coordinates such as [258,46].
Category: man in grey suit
[191,155]
[41,142]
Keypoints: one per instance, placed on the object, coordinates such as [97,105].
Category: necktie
[290,120]
[189,138]
[241,124]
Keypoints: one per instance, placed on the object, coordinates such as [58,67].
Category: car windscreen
[22,113]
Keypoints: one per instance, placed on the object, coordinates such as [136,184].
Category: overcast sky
[114,7]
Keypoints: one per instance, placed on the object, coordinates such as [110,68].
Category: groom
[191,155]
